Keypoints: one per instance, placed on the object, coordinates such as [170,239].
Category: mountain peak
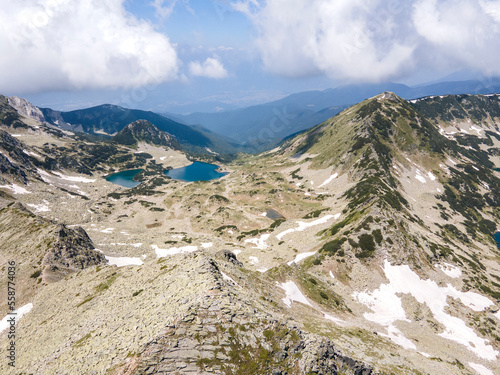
[388,95]
[145,131]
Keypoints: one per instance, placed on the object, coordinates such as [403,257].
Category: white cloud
[210,68]
[164,10]
[465,31]
[69,44]
[374,40]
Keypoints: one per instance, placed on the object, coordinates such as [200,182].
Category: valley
[362,245]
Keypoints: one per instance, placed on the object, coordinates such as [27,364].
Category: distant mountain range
[262,126]
[109,119]
[252,129]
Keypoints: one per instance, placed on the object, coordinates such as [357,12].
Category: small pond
[124,178]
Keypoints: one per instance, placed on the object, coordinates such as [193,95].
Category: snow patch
[480,369]
[303,225]
[5,324]
[331,275]
[74,178]
[334,319]
[16,189]
[40,207]
[253,260]
[228,278]
[387,308]
[31,153]
[450,270]
[293,293]
[161,253]
[260,243]
[419,177]
[301,256]
[329,179]
[124,261]
[476,129]
[497,315]
[206,245]
[107,230]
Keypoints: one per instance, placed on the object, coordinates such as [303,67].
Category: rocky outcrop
[222,337]
[13,161]
[72,251]
[26,109]
[49,250]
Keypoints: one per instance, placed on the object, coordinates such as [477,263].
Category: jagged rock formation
[144,131]
[71,251]
[44,250]
[220,337]
[8,115]
[13,161]
[25,108]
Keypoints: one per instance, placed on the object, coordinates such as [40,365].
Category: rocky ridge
[144,131]
[371,195]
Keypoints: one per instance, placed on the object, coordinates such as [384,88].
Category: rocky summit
[363,245]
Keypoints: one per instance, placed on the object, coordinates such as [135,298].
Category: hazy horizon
[183,56]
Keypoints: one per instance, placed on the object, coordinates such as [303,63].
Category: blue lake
[197,171]
[124,178]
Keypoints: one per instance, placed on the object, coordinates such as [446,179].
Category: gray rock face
[72,251]
[13,161]
[25,108]
[225,334]
[219,337]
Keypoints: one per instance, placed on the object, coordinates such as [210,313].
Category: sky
[184,56]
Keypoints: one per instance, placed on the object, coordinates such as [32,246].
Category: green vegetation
[219,199]
[367,246]
[334,246]
[315,214]
[36,274]
[137,292]
[81,342]
[377,235]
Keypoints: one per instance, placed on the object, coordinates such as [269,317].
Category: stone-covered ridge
[219,337]
[225,334]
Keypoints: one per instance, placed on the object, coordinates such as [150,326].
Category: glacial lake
[197,171]
[124,178]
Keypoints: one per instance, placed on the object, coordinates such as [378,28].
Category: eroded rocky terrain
[363,245]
